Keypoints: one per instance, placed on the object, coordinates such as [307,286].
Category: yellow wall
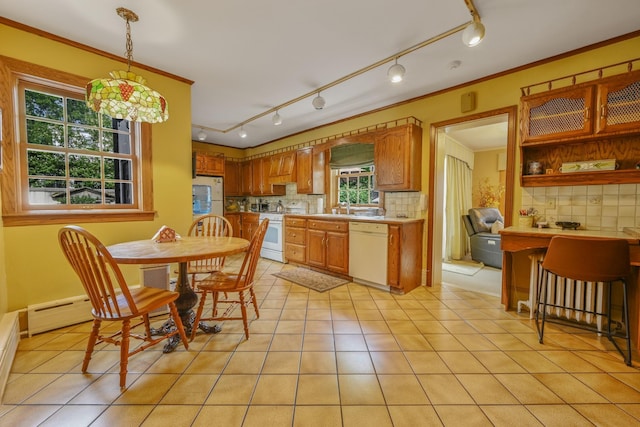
[485,172]
[35,268]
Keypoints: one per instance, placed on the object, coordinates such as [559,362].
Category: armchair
[482,225]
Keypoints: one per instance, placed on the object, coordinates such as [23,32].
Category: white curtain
[457,202]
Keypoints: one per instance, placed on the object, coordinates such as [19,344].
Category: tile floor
[353,356]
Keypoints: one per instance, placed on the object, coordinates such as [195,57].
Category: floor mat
[467,268]
[311,279]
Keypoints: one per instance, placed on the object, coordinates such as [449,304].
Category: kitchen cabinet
[260,179]
[310,171]
[249,224]
[591,121]
[328,245]
[295,240]
[232,183]
[404,256]
[398,158]
[282,167]
[208,164]
[246,178]
[236,223]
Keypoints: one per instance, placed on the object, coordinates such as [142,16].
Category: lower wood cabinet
[328,245]
[249,224]
[236,223]
[404,256]
[295,240]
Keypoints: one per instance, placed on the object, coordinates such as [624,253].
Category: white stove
[273,245]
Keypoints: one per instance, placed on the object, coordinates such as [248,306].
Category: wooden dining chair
[208,225]
[113,300]
[575,284]
[237,288]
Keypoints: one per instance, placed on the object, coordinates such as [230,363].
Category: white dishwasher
[368,252]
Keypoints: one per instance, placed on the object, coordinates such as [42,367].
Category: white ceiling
[247,57]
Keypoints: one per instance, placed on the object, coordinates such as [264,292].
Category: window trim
[13,214]
[371,175]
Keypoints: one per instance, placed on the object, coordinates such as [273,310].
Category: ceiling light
[318,102]
[473,34]
[202,135]
[396,72]
[125,95]
[242,132]
[276,119]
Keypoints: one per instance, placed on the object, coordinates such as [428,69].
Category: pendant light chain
[129,45]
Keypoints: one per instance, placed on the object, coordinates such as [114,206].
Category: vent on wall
[57,314]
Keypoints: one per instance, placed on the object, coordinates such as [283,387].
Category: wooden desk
[516,239]
[181,251]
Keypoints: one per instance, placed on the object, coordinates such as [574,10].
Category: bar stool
[575,263]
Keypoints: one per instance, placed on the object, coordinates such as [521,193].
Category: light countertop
[360,218]
[531,231]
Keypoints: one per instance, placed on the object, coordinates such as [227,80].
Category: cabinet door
[398,159]
[337,256]
[393,256]
[234,219]
[232,178]
[214,165]
[246,178]
[562,113]
[316,248]
[619,104]
[256,178]
[310,171]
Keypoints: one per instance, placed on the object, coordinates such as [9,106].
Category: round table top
[182,250]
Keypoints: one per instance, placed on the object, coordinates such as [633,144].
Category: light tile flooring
[353,356]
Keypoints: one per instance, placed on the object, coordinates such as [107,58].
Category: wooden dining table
[181,251]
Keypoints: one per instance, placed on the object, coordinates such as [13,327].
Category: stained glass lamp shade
[126,96]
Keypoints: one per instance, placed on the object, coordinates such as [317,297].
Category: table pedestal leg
[185,302]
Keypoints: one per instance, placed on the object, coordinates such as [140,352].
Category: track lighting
[242,132]
[396,72]
[202,135]
[473,34]
[276,119]
[318,102]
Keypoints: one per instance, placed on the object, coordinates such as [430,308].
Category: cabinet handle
[603,111]
[586,114]
[391,238]
[309,182]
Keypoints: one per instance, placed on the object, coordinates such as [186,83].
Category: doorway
[461,127]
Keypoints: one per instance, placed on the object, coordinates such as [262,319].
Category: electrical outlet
[550,204]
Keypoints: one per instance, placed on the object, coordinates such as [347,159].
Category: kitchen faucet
[348,207]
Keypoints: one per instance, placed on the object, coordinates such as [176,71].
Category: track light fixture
[242,132]
[473,34]
[202,135]
[276,119]
[318,102]
[396,72]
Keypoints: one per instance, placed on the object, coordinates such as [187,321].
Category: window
[64,162]
[72,155]
[356,185]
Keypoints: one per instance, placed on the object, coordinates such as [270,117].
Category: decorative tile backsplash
[595,207]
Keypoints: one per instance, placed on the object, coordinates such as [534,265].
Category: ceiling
[248,57]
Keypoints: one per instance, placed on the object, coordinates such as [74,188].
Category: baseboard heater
[70,311]
[57,314]
[9,339]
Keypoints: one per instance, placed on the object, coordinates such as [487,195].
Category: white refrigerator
[208,196]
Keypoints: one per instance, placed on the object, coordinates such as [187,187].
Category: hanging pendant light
[242,132]
[125,95]
[202,135]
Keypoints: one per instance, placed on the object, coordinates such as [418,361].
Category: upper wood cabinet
[619,104]
[260,179]
[398,158]
[609,106]
[310,171]
[232,182]
[282,167]
[246,178]
[597,120]
[208,164]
